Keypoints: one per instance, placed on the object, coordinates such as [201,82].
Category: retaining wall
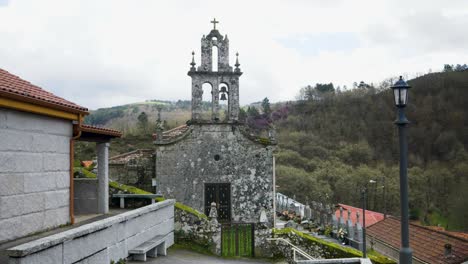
[85,196]
[102,241]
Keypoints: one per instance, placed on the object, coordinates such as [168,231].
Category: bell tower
[216,71]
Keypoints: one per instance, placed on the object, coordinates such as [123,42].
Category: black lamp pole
[364,245]
[400,90]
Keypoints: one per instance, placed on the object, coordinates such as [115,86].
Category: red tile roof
[101,130]
[427,244]
[371,216]
[86,163]
[14,87]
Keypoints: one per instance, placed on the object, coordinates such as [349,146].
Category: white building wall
[34,173]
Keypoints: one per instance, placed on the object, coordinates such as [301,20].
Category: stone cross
[214,23]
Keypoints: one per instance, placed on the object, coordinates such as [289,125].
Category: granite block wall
[34,173]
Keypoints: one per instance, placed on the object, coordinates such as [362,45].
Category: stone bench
[151,248]
[122,197]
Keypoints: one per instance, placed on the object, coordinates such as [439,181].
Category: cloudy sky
[101,53]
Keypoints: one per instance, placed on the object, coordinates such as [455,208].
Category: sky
[113,52]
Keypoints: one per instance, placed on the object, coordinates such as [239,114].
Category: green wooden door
[237,240]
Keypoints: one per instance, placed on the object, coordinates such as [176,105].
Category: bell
[223,89]
[223,97]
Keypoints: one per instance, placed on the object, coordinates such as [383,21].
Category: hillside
[332,143]
[125,117]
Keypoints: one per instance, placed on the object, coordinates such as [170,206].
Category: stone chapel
[212,158]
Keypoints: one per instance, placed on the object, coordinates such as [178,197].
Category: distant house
[371,216]
[87,163]
[37,134]
[428,245]
[135,168]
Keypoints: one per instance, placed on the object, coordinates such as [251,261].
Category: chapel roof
[172,134]
[14,87]
[126,157]
[427,244]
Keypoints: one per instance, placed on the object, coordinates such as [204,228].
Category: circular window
[217,157]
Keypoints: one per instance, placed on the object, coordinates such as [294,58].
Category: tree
[448,68]
[143,122]
[266,106]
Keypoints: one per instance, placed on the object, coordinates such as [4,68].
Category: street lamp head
[372,181]
[400,91]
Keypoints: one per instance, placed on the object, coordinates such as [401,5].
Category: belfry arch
[215,50]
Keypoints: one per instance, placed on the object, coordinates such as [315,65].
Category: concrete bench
[122,197]
[151,248]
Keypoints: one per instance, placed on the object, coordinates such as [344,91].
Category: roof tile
[427,244]
[13,85]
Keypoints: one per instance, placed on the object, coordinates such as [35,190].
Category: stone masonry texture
[34,173]
[183,167]
[102,241]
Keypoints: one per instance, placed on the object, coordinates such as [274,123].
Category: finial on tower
[193,61]
[214,23]
[237,62]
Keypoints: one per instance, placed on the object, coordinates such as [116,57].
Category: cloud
[109,52]
[312,45]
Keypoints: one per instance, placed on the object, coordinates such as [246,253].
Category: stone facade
[135,168]
[34,173]
[209,159]
[224,76]
[218,153]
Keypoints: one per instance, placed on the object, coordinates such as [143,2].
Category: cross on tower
[214,23]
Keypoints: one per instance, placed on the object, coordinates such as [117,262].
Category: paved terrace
[183,256]
[79,221]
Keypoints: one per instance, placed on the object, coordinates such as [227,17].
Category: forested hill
[333,142]
[141,117]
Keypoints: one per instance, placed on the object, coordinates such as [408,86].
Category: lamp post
[364,205]
[400,91]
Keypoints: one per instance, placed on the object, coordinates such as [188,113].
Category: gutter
[72,159]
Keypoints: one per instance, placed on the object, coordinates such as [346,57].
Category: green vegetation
[334,250]
[333,141]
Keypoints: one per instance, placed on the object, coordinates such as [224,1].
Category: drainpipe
[72,158]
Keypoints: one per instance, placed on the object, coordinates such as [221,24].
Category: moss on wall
[131,189]
[330,250]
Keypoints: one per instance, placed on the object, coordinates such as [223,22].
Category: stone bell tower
[216,71]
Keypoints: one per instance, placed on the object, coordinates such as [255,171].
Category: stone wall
[34,173]
[317,248]
[218,153]
[134,168]
[102,241]
[85,196]
[194,229]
